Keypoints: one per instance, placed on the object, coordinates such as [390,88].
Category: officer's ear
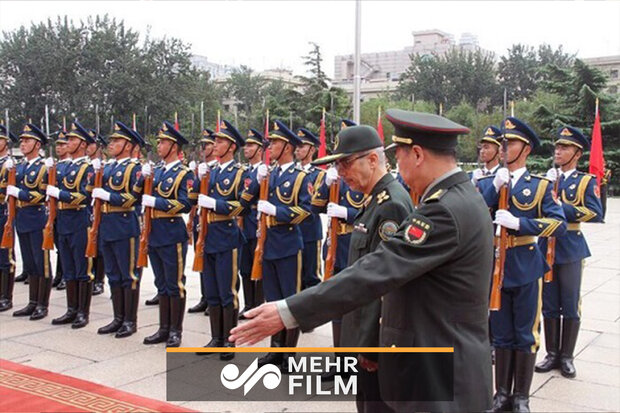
[417,154]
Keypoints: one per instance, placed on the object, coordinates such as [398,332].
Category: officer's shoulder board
[436,196]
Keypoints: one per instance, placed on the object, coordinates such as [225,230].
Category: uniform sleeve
[250,194]
[83,195]
[232,207]
[590,209]
[295,214]
[318,202]
[551,223]
[427,239]
[130,196]
[180,205]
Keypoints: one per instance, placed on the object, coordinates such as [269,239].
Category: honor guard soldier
[561,297]
[433,275]
[168,238]
[63,161]
[311,227]
[288,204]
[119,230]
[7,255]
[252,289]
[31,183]
[95,151]
[208,157]
[73,220]
[224,237]
[488,153]
[532,212]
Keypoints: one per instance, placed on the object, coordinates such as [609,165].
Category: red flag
[322,146]
[176,121]
[266,136]
[379,124]
[597,162]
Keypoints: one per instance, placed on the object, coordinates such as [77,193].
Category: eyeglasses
[348,161]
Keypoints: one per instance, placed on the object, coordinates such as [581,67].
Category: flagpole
[358,61]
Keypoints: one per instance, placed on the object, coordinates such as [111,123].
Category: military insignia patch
[226,181]
[169,180]
[387,229]
[119,173]
[286,184]
[417,232]
[190,183]
[72,173]
[310,188]
[509,125]
[383,196]
[597,191]
[32,173]
[138,174]
[554,195]
[527,192]
[573,186]
[247,182]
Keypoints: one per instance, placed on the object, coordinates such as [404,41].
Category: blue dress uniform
[168,241]
[7,256]
[98,264]
[311,227]
[515,328]
[492,134]
[561,297]
[30,219]
[252,290]
[222,244]
[119,233]
[72,223]
[61,165]
[288,191]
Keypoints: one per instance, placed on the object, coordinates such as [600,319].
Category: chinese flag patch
[310,188]
[247,182]
[417,232]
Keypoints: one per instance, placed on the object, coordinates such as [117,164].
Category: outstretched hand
[264,321]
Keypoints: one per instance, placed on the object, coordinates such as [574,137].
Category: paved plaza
[128,365]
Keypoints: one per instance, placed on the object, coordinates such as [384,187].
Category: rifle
[192,213]
[52,203]
[261,230]
[8,237]
[495,301]
[143,249]
[203,224]
[330,260]
[93,232]
[551,240]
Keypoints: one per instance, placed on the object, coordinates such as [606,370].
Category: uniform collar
[64,160]
[169,166]
[568,173]
[255,165]
[226,164]
[437,181]
[285,166]
[307,167]
[382,183]
[490,171]
[76,160]
[121,160]
[516,175]
[33,160]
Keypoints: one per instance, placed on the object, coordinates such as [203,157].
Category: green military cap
[424,129]
[353,139]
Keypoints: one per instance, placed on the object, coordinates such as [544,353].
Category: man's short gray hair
[381,155]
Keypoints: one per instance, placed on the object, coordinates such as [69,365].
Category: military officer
[119,230]
[532,212]
[433,274]
[252,290]
[561,297]
[311,227]
[224,237]
[488,147]
[73,220]
[30,219]
[207,156]
[63,160]
[168,239]
[95,151]
[288,204]
[7,256]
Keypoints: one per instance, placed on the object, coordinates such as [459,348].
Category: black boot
[59,282]
[177,310]
[277,340]
[72,304]
[259,297]
[229,316]
[33,295]
[200,307]
[504,371]
[570,331]
[22,277]
[98,286]
[524,371]
[207,311]
[43,300]
[6,289]
[552,345]
[152,301]
[248,295]
[161,335]
[130,323]
[118,308]
[329,375]
[292,336]
[217,329]
[85,293]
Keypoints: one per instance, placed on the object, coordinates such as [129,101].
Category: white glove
[205,201]
[52,191]
[13,191]
[501,178]
[504,218]
[477,174]
[192,165]
[49,162]
[147,169]
[96,163]
[331,176]
[266,207]
[336,211]
[148,201]
[202,169]
[8,164]
[261,172]
[552,174]
[101,193]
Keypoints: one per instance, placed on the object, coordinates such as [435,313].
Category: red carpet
[26,389]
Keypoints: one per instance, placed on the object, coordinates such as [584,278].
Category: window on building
[613,73]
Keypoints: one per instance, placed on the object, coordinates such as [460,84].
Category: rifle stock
[551,245]
[257,263]
[199,247]
[8,236]
[52,205]
[146,228]
[495,301]
[93,232]
[332,251]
